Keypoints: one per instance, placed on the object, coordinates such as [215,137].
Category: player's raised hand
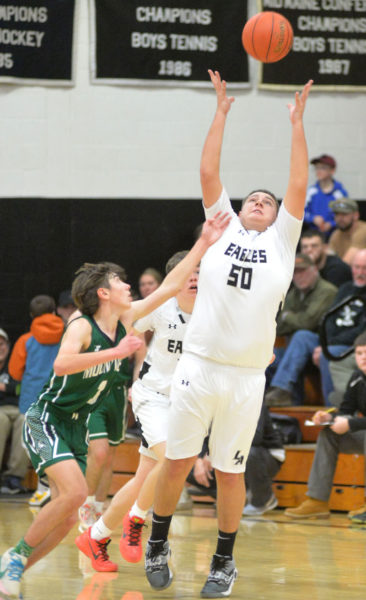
[128,345]
[213,228]
[297,109]
[224,102]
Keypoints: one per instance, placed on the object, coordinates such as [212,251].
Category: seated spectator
[350,233]
[305,304]
[11,424]
[330,266]
[342,329]
[346,434]
[307,300]
[149,280]
[32,358]
[318,215]
[264,461]
[265,458]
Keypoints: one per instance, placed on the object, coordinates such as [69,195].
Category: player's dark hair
[89,278]
[264,192]
[40,305]
[174,260]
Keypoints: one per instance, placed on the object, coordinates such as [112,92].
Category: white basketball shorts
[151,409]
[227,399]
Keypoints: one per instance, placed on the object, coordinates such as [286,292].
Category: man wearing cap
[317,212]
[350,233]
[305,304]
[11,424]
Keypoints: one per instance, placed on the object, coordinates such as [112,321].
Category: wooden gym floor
[278,559]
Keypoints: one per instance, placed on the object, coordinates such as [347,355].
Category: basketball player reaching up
[219,380]
[150,401]
[85,369]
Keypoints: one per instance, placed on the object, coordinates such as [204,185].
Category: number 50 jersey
[244,278]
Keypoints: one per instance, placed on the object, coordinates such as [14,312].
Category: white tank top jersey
[244,278]
[169,325]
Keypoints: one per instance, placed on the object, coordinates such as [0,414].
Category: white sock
[99,530]
[89,500]
[98,506]
[136,511]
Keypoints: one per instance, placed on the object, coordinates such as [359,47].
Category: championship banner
[168,42]
[329,45]
[36,41]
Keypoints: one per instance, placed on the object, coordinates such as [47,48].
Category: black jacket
[9,396]
[346,324]
[354,401]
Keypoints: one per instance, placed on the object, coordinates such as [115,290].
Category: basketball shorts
[151,411]
[108,420]
[223,399]
[49,439]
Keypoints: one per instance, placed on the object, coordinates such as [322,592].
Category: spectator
[345,434]
[318,215]
[32,359]
[305,304]
[307,300]
[330,266]
[264,460]
[149,280]
[65,305]
[342,329]
[350,233]
[11,422]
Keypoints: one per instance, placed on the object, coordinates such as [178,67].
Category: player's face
[360,356]
[313,247]
[119,292]
[190,287]
[258,212]
[147,285]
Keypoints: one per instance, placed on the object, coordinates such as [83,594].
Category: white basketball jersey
[169,325]
[244,278]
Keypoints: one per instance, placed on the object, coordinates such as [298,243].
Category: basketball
[267,36]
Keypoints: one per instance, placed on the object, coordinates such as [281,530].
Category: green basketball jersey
[75,396]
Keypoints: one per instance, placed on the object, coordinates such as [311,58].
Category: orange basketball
[267,36]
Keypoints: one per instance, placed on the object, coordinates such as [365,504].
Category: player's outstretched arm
[71,357]
[211,153]
[211,231]
[299,161]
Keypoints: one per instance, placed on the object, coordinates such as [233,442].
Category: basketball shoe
[130,545]
[97,551]
[12,566]
[221,578]
[156,565]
